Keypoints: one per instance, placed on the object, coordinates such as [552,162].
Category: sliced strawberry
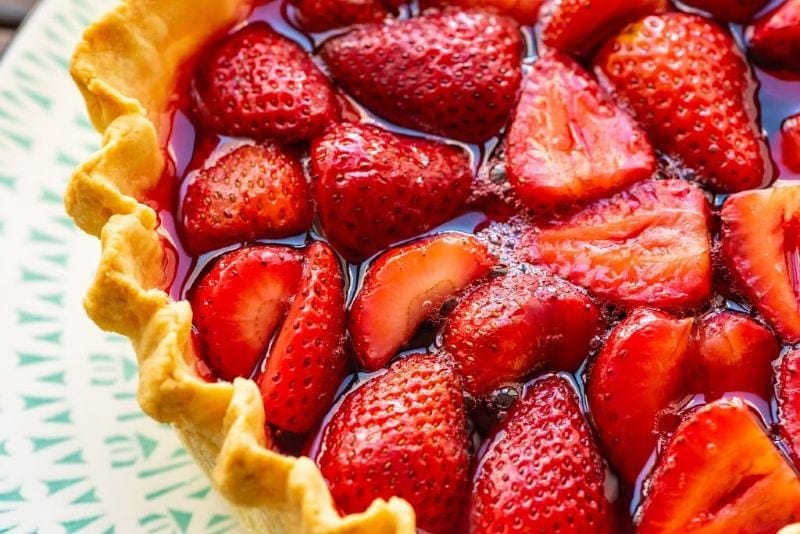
[524,11]
[542,472]
[787,395]
[760,249]
[510,327]
[730,10]
[454,74]
[255,191]
[403,434]
[374,188]
[407,285]
[636,376]
[306,362]
[733,353]
[774,39]
[790,130]
[576,27]
[720,473]
[709,123]
[259,84]
[648,245]
[238,304]
[568,141]
[323,15]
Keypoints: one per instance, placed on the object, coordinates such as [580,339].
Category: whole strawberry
[577,27]
[255,191]
[374,188]
[508,328]
[684,79]
[523,11]
[306,361]
[774,39]
[402,433]
[730,10]
[323,15]
[257,83]
[454,74]
[542,472]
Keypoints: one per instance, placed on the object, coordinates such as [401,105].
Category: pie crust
[125,66]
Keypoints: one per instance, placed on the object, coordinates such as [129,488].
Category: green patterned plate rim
[76,453]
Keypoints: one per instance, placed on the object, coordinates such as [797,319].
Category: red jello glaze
[188,149]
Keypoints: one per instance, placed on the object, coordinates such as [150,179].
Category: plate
[76,452]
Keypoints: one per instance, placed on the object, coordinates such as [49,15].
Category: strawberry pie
[458,266]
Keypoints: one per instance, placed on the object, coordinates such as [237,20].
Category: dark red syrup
[187,149]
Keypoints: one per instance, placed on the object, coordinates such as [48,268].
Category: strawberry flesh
[635,377]
[760,250]
[407,285]
[307,362]
[240,302]
[542,472]
[255,191]
[733,353]
[401,434]
[787,395]
[576,27]
[646,246]
[454,74]
[510,327]
[374,188]
[568,141]
[708,123]
[256,83]
[774,39]
[720,473]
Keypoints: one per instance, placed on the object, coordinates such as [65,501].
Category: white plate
[76,453]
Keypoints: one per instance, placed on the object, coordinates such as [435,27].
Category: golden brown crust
[125,66]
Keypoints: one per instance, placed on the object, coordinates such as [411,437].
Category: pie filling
[508,287]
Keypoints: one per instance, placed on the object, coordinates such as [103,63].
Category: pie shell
[126,67]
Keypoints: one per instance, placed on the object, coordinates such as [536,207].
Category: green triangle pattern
[74,458]
[26,358]
[78,524]
[54,486]
[43,443]
[62,418]
[88,497]
[182,519]
[34,402]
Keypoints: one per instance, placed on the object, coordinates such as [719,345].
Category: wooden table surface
[11,14]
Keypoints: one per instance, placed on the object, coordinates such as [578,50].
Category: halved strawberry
[790,134]
[731,10]
[238,304]
[542,472]
[635,377]
[255,191]
[323,15]
[707,123]
[720,473]
[374,188]
[787,395]
[306,362]
[774,39]
[454,74]
[732,352]
[403,434]
[407,285]
[648,245]
[510,327]
[576,27]
[524,11]
[257,83]
[568,141]
[760,248]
